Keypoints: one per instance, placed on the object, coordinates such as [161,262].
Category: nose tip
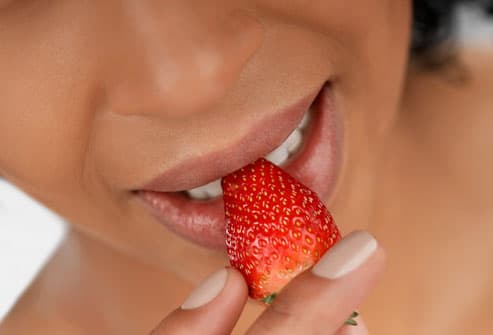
[181,66]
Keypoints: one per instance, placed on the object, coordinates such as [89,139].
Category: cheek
[370,92]
[44,115]
[388,75]
[382,47]
[42,134]
[370,41]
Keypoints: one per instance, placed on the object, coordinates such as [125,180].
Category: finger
[213,308]
[359,329]
[320,300]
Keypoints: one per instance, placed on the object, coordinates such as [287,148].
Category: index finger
[320,300]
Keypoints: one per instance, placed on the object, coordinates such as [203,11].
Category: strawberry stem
[351,321]
[269,299]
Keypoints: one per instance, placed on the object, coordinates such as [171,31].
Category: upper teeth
[279,156]
[207,191]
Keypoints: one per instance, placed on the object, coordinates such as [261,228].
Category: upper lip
[264,135]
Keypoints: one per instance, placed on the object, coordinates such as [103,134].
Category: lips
[316,164]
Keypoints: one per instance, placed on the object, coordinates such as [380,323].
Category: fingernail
[346,255]
[207,290]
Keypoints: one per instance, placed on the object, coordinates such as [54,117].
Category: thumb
[213,308]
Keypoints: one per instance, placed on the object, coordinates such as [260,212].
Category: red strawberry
[275,227]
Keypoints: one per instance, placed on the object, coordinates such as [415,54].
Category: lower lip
[316,165]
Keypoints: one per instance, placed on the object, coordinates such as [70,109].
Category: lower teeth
[279,156]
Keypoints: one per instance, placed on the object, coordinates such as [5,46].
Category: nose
[175,58]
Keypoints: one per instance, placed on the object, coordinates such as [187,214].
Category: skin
[84,82]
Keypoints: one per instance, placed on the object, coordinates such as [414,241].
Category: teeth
[279,156]
[305,120]
[207,191]
[293,141]
[291,144]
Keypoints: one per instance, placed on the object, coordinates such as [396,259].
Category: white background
[29,233]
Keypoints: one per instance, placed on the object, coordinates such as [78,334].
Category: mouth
[310,150]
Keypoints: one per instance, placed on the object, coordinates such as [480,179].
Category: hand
[316,302]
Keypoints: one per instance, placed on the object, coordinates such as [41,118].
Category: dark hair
[433,27]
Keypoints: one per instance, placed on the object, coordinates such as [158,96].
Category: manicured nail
[346,255]
[207,290]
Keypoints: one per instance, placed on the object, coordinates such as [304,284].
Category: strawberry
[276,227]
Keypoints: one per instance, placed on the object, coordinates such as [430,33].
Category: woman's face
[100,100]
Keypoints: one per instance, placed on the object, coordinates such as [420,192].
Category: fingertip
[380,254]
[215,305]
[379,261]
[236,285]
[224,283]
[237,279]
[207,291]
[354,251]
[330,291]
